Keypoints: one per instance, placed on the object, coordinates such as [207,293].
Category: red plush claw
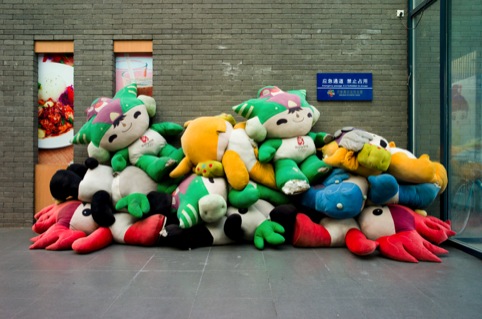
[47,216]
[409,246]
[358,243]
[433,229]
[100,238]
[57,237]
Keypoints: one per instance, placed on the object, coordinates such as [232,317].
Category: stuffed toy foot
[385,189]
[309,234]
[300,230]
[145,232]
[289,178]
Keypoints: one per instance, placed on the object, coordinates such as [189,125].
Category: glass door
[465,136]
[446,107]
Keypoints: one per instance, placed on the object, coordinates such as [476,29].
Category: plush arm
[321,138]
[120,159]
[57,237]
[431,228]
[137,204]
[409,246]
[167,128]
[100,238]
[269,232]
[268,149]
[46,217]
[358,243]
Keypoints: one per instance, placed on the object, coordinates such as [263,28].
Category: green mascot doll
[119,130]
[282,122]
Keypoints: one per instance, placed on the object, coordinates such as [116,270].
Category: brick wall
[208,55]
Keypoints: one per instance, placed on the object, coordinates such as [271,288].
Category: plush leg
[310,234]
[383,188]
[289,178]
[285,215]
[100,238]
[314,168]
[156,167]
[232,228]
[194,237]
[145,232]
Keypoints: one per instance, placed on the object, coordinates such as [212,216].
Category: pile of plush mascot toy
[268,181]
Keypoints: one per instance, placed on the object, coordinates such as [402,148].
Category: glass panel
[55,108]
[134,68]
[426,95]
[465,178]
[416,3]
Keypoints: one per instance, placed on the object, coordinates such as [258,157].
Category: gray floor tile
[231,282]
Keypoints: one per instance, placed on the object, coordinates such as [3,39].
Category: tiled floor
[231,282]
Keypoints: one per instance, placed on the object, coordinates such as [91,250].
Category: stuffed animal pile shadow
[267,181]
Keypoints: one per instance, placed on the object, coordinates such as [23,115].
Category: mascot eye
[112,138]
[377,211]
[383,143]
[242,211]
[86,212]
[282,121]
[137,114]
[211,180]
[310,115]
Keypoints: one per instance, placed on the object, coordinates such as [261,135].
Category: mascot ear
[256,130]
[150,104]
[78,169]
[64,184]
[101,154]
[83,135]
[102,209]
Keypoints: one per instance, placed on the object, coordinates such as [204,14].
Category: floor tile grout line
[124,289]
[200,280]
[269,283]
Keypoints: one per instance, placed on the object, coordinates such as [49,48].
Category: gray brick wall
[208,55]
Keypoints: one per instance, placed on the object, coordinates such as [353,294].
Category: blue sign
[344,87]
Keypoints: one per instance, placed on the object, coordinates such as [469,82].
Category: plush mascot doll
[215,146]
[97,184]
[395,231]
[240,225]
[399,233]
[406,167]
[121,127]
[357,151]
[199,197]
[368,154]
[282,121]
[341,195]
[71,226]
[253,225]
[344,195]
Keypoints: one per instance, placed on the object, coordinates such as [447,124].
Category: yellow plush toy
[405,167]
[214,147]
[369,154]
[357,151]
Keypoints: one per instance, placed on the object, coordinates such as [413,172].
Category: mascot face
[292,122]
[82,220]
[115,123]
[278,114]
[126,128]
